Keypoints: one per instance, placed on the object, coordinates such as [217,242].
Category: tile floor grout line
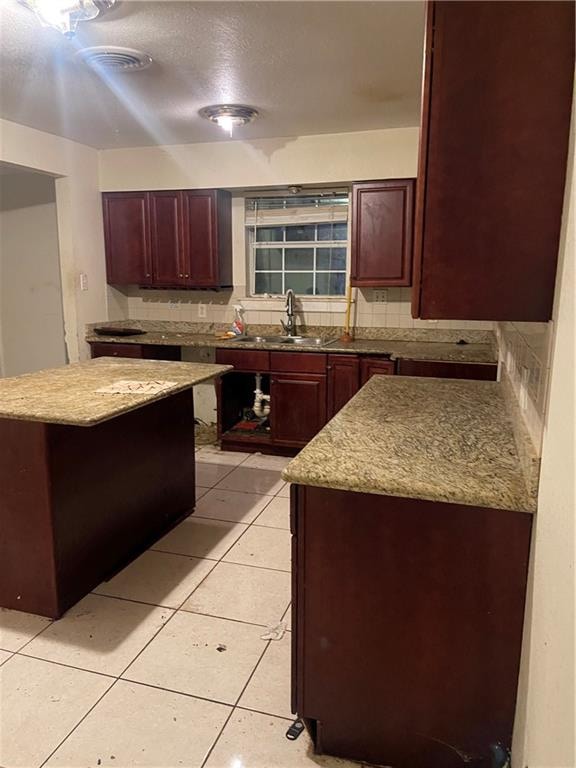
[227,618]
[68,666]
[267,643]
[43,763]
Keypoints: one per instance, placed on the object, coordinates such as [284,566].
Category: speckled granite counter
[67,395]
[420,350]
[435,439]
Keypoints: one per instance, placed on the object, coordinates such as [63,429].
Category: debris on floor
[274,631]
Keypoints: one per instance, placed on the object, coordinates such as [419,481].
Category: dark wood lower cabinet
[375,366]
[298,407]
[448,370]
[407,626]
[138,351]
[78,503]
[343,381]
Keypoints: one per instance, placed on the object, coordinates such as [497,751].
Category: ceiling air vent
[114,59]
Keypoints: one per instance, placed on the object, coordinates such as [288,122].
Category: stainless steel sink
[299,341]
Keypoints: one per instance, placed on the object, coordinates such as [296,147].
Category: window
[298,242]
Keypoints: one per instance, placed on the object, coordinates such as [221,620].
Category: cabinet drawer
[448,370]
[298,362]
[244,359]
[116,350]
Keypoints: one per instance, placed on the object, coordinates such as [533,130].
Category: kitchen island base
[407,626]
[78,503]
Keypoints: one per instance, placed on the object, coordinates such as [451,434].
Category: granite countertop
[67,395]
[445,440]
[419,350]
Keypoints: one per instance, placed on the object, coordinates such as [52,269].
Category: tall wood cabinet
[382,223]
[493,151]
[169,239]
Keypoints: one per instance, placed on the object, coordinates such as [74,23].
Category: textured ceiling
[309,67]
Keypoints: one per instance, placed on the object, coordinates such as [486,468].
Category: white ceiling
[308,67]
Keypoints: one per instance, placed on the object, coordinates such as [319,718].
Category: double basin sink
[295,341]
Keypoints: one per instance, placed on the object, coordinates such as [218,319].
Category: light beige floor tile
[4,656]
[285,491]
[253,740]
[264,547]
[276,514]
[138,726]
[261,461]
[185,657]
[252,480]
[199,492]
[17,628]
[213,455]
[232,506]
[201,538]
[158,578]
[101,634]
[40,704]
[269,688]
[207,475]
[239,592]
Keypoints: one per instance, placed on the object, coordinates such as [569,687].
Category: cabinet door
[374,366]
[200,238]
[127,238]
[166,239]
[492,167]
[343,381]
[382,222]
[298,407]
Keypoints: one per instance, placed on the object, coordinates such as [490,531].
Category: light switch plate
[83,281]
[202,310]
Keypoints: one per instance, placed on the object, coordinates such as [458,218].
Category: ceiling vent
[114,59]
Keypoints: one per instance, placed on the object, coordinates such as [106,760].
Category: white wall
[545,723]
[31,315]
[328,158]
[79,221]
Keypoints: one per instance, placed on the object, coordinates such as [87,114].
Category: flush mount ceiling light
[64,15]
[229,116]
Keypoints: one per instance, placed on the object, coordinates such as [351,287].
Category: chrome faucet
[290,324]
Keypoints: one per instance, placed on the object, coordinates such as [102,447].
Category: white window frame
[284,220]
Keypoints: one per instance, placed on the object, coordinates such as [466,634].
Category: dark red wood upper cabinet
[493,151]
[207,227]
[382,223]
[343,381]
[127,238]
[166,239]
[163,239]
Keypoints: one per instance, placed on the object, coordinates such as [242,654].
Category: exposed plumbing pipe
[261,405]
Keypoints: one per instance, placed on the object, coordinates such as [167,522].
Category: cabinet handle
[187,275]
[180,275]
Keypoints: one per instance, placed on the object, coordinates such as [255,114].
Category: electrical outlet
[202,310]
[83,281]
[380,295]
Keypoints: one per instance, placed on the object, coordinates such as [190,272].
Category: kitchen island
[96,462]
[411,518]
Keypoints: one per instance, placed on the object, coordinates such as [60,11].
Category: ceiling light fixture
[229,116]
[64,15]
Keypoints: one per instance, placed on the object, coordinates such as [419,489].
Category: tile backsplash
[524,351]
[392,312]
